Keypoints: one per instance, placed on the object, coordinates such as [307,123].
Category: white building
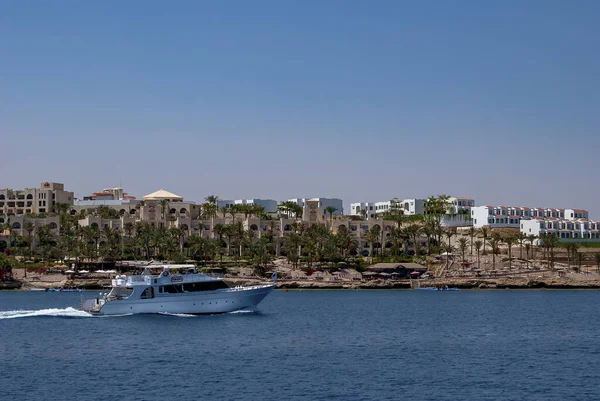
[581,230]
[269,205]
[356,209]
[511,216]
[376,209]
[460,205]
[413,206]
[338,204]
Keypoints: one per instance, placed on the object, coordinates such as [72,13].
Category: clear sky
[365,101]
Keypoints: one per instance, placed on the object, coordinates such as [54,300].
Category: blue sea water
[310,345]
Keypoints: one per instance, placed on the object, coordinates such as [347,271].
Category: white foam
[66,312]
[177,314]
[242,311]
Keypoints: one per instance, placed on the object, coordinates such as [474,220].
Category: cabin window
[204,286]
[147,293]
[172,289]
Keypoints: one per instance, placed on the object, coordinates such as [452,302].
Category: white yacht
[191,293]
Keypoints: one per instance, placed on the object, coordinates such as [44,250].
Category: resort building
[270,205]
[413,206]
[511,216]
[361,209]
[460,205]
[409,207]
[159,208]
[581,230]
[34,200]
[114,198]
[372,210]
[338,204]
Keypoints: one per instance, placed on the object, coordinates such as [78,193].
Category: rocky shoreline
[462,283]
[466,284]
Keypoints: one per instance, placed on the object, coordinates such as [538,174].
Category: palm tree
[549,242]
[494,245]
[233,211]
[485,232]
[331,210]
[428,231]
[219,230]
[532,239]
[212,199]
[292,248]
[478,245]
[164,206]
[509,241]
[245,209]
[223,211]
[291,209]
[449,234]
[239,233]
[527,249]
[260,251]
[449,249]
[463,243]
[413,231]
[62,209]
[522,237]
[580,259]
[229,234]
[397,238]
[257,210]
[372,237]
[472,231]
[129,228]
[29,227]
[573,249]
[397,216]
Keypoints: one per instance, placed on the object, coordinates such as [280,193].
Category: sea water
[309,345]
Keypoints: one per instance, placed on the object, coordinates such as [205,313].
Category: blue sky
[496,100]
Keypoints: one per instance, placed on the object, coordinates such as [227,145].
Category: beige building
[165,209]
[161,208]
[18,225]
[33,200]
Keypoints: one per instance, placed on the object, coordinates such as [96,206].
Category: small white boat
[193,293]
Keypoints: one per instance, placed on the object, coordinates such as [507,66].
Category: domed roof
[162,194]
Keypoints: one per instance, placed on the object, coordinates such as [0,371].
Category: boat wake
[54,312]
[242,311]
[176,314]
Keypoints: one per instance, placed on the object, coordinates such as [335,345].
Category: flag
[274,276]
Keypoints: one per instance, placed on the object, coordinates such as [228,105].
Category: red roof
[580,210]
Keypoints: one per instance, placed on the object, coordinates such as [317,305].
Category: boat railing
[137,279]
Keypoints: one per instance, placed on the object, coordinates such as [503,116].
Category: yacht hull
[203,302]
